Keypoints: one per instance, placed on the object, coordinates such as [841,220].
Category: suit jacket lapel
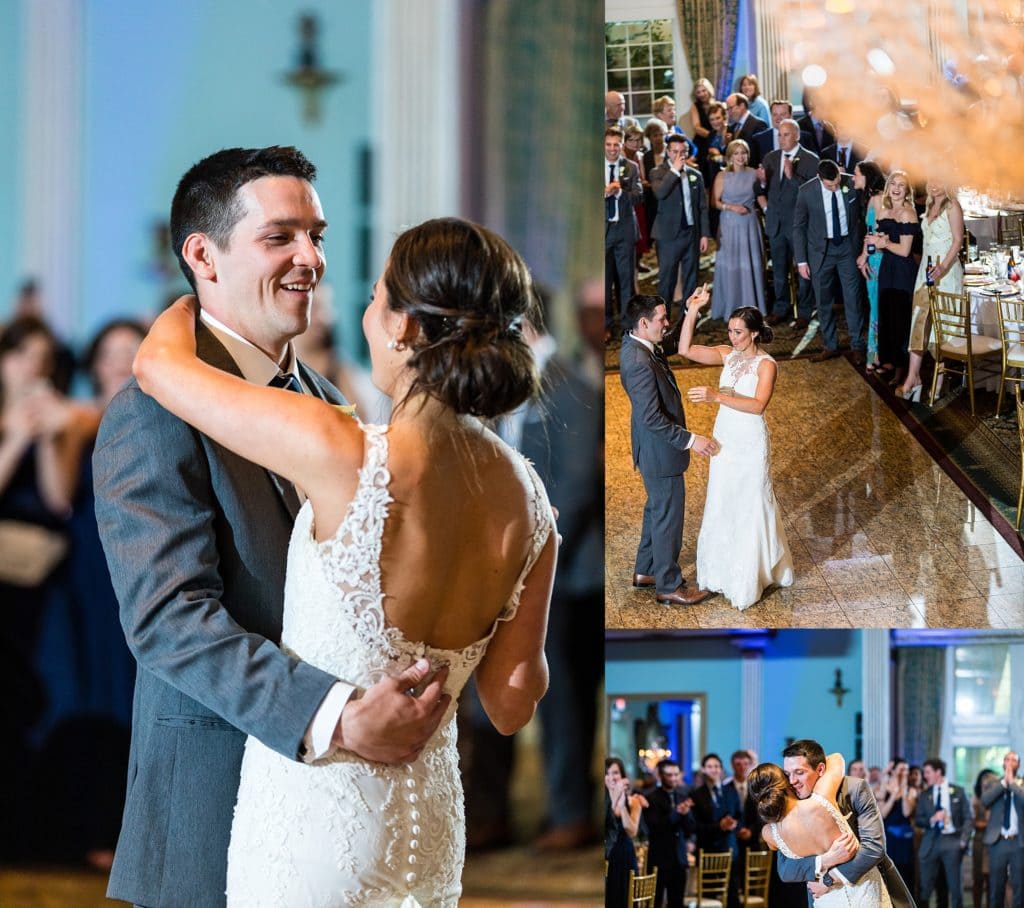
[212,351]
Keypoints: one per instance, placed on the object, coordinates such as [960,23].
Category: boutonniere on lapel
[693,179]
[795,160]
[623,172]
[846,189]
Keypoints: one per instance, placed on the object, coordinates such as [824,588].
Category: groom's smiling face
[802,775]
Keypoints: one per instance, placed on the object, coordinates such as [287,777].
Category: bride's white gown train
[868,892]
[742,546]
[342,831]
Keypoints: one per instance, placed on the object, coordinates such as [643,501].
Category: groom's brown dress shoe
[824,355]
[643,581]
[683,596]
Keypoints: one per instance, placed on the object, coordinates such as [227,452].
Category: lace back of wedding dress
[344,831]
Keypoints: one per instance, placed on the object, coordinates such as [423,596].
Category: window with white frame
[639,62]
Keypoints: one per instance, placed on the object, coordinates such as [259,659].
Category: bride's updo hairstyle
[768,786]
[755,323]
[469,291]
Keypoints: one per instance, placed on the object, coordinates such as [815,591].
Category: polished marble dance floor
[881,536]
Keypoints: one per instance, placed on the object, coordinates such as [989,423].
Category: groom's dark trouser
[839,261]
[671,880]
[947,853]
[661,534]
[1005,856]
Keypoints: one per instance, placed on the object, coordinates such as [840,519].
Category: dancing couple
[742,547]
[293,738]
[827,829]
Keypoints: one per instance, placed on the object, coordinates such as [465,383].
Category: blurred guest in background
[980,887]
[622,815]
[750,86]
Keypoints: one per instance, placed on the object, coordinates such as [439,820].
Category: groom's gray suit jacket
[196,539]
[856,798]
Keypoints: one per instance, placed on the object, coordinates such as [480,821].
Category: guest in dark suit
[815,133]
[844,151]
[944,813]
[777,197]
[661,450]
[744,125]
[768,139]
[749,833]
[719,816]
[682,228]
[669,822]
[1004,834]
[827,235]
[622,190]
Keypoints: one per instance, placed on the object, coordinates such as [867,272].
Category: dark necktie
[289,382]
[938,798]
[837,230]
[684,222]
[609,202]
[1007,809]
[662,359]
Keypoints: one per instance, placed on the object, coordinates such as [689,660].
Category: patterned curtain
[710,33]
[540,145]
[920,676]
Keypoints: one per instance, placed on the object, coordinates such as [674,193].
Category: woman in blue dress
[868,179]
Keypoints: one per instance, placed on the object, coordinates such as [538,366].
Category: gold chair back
[955,347]
[713,869]
[1020,429]
[642,889]
[1011,333]
[757,875]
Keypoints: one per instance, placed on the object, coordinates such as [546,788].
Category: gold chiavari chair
[641,849]
[642,889]
[756,878]
[713,869]
[955,347]
[1011,333]
[1020,430]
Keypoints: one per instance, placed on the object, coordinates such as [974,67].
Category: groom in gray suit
[804,763]
[1004,833]
[661,450]
[196,539]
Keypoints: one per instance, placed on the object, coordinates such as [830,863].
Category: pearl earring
[396,345]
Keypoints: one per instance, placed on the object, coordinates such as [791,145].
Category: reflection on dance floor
[881,536]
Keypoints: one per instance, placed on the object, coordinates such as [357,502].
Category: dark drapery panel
[541,144]
[709,29]
[921,677]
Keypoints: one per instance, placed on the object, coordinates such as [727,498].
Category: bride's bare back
[808,828]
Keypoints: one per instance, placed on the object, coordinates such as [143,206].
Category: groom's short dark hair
[206,200]
[810,750]
[642,306]
[936,764]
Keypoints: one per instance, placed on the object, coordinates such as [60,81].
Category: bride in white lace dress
[742,546]
[427,537]
[803,828]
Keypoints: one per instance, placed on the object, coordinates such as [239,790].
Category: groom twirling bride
[661,449]
[827,829]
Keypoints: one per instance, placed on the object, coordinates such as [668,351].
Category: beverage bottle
[1012,272]
[928,279]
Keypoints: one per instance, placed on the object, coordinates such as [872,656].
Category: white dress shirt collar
[642,340]
[253,363]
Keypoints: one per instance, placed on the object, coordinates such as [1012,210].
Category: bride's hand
[172,334]
[702,394]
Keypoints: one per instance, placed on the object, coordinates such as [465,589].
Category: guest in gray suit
[661,450]
[782,173]
[944,813]
[804,763]
[196,539]
[827,236]
[1004,834]
[682,228]
[622,190]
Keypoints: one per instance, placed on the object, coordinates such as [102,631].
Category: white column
[751,700]
[416,113]
[876,705]
[51,150]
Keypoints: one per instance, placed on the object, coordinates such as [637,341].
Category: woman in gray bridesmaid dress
[739,269]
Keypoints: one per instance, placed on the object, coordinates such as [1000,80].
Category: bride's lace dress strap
[781,842]
[543,524]
[833,810]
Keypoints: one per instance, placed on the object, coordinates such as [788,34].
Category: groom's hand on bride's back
[393,720]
